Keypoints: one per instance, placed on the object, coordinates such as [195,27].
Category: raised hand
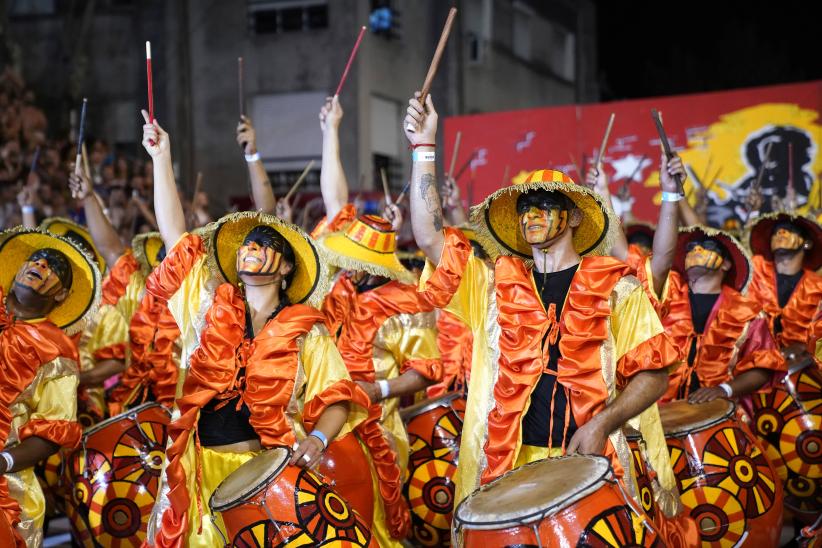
[420,123]
[597,180]
[450,194]
[668,172]
[393,214]
[282,209]
[155,139]
[246,135]
[79,185]
[331,114]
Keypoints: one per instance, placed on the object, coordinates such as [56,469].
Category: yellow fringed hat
[74,231]
[497,222]
[18,244]
[311,278]
[368,244]
[145,248]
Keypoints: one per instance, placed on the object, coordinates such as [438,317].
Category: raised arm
[333,184]
[597,180]
[688,215]
[103,234]
[167,206]
[451,202]
[261,191]
[420,127]
[667,228]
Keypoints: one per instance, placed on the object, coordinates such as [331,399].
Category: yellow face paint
[541,225]
[786,240]
[38,276]
[705,258]
[256,260]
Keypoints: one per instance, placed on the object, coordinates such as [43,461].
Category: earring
[283,285]
[806,246]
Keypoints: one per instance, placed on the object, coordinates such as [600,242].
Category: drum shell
[572,525]
[117,466]
[787,421]
[643,472]
[711,462]
[347,467]
[434,436]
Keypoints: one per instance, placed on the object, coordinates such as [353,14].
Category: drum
[267,502]
[345,464]
[644,474]
[114,477]
[434,431]
[553,503]
[788,422]
[725,480]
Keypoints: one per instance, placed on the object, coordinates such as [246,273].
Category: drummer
[48,290]
[787,252]
[265,371]
[704,309]
[553,342]
[386,332]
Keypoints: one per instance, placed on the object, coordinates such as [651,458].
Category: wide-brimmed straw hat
[498,227]
[310,281]
[762,227]
[145,248]
[368,244]
[739,276]
[18,244]
[68,228]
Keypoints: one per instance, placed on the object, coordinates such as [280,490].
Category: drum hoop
[537,515]
[243,497]
[801,366]
[125,414]
[707,425]
[427,405]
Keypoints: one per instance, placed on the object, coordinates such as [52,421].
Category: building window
[542,41]
[279,16]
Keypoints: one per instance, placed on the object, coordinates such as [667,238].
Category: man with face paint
[42,301]
[567,346]
[787,252]
[722,333]
[249,352]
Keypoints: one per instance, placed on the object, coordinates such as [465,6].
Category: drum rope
[627,499]
[222,536]
[536,534]
[264,505]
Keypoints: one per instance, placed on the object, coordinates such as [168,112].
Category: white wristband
[385,390]
[671,196]
[252,157]
[28,209]
[727,389]
[423,156]
[9,460]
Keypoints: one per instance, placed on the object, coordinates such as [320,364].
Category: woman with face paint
[787,251]
[567,346]
[262,370]
[48,289]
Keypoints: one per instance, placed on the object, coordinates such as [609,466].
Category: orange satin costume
[456,342]
[635,258]
[815,335]
[38,387]
[609,333]
[152,372]
[736,336]
[384,332]
[798,313]
[275,378]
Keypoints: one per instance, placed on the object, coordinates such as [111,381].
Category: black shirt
[785,286]
[553,287]
[701,306]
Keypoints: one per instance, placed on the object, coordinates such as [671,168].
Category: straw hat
[17,245]
[761,228]
[497,222]
[70,229]
[311,278]
[145,248]
[739,276]
[368,244]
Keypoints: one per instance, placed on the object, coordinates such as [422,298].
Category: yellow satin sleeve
[112,322]
[321,367]
[56,399]
[818,352]
[188,307]
[470,302]
[633,320]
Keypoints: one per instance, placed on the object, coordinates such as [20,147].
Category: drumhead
[424,406]
[249,479]
[533,492]
[680,418]
[134,410]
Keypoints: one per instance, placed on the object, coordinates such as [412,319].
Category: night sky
[649,49]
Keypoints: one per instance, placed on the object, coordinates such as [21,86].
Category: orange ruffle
[445,281]
[347,214]
[524,324]
[726,325]
[112,352]
[798,314]
[165,280]
[815,333]
[63,433]
[430,369]
[636,258]
[337,304]
[24,348]
[455,342]
[153,333]
[116,281]
[657,352]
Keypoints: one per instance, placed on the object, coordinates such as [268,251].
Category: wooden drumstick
[81,131]
[454,155]
[663,142]
[435,61]
[604,143]
[385,188]
[241,85]
[350,60]
[299,181]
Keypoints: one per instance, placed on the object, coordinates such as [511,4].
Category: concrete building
[503,54]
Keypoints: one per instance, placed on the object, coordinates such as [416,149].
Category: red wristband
[412,147]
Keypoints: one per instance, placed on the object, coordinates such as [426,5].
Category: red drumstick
[150,83]
[350,60]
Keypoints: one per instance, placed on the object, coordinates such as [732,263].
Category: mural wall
[722,137]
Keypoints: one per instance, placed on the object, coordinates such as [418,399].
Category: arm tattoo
[431,197]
